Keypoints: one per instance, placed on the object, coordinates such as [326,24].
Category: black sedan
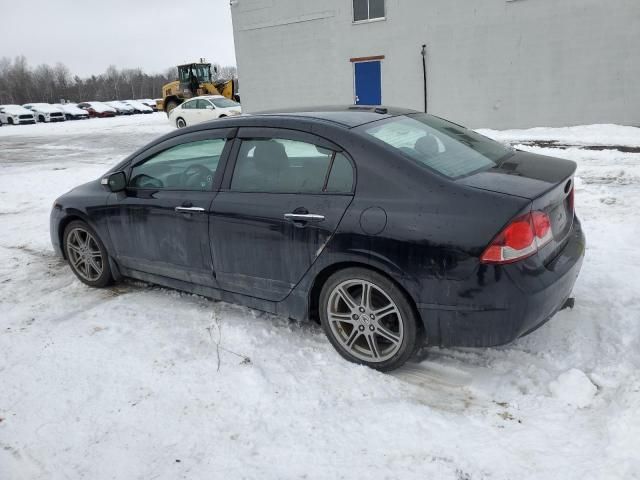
[393,228]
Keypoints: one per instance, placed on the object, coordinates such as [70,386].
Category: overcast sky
[90,35]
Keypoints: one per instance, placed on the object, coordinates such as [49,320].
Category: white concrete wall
[491,63]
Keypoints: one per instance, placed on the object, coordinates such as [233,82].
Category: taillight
[520,239]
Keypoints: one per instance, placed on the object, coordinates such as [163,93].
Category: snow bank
[574,388]
[617,135]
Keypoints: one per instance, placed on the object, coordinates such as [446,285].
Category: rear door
[280,204]
[190,112]
[160,223]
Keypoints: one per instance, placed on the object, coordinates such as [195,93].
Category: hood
[46,108]
[16,110]
[522,174]
[72,109]
[100,108]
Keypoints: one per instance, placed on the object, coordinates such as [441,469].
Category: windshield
[445,147]
[224,103]
[202,73]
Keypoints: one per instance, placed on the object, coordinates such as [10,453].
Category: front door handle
[189,210]
[304,217]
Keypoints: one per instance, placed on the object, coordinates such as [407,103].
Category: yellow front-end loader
[194,79]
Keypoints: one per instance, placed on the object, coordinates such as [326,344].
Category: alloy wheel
[365,320]
[84,254]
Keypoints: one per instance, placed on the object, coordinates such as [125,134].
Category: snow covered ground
[140,382]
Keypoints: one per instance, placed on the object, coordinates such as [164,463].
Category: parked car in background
[393,228]
[72,111]
[203,108]
[138,106]
[16,115]
[149,103]
[45,112]
[121,107]
[98,109]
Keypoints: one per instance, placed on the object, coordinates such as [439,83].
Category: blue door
[368,83]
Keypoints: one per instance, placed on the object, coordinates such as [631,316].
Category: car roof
[346,115]
[205,97]
[312,120]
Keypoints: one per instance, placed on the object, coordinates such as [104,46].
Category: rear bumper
[515,300]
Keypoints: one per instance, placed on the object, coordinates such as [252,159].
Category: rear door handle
[304,217]
[189,210]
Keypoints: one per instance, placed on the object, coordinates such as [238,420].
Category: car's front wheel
[170,105]
[87,255]
[368,319]
[180,123]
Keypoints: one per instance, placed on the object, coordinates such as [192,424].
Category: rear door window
[278,165]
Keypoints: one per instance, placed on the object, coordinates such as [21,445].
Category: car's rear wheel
[180,123]
[41,119]
[87,255]
[368,319]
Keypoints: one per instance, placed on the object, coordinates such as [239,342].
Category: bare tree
[19,83]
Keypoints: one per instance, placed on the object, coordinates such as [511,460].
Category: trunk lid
[546,181]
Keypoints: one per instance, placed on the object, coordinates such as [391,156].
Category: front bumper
[54,225]
[515,301]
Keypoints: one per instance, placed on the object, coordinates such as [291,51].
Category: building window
[365,10]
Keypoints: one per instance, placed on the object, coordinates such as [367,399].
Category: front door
[160,224]
[281,205]
[368,83]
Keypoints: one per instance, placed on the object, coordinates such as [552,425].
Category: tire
[41,119]
[86,255]
[11,121]
[381,333]
[170,105]
[180,123]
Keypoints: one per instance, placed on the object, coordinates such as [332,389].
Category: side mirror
[116,182]
[209,107]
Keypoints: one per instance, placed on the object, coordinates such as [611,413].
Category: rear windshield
[443,146]
[224,103]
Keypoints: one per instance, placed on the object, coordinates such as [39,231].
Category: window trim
[368,19]
[248,133]
[226,134]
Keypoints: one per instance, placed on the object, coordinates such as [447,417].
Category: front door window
[190,166]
